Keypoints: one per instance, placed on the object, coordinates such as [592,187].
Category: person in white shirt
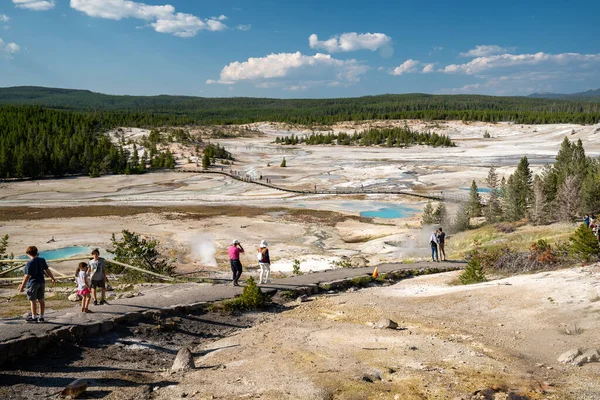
[433,242]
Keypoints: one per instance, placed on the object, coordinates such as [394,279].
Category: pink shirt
[234,252]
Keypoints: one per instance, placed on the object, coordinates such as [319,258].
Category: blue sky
[308,48]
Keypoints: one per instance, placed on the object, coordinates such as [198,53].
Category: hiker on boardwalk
[433,242]
[34,281]
[234,259]
[264,261]
[83,288]
[441,237]
[97,271]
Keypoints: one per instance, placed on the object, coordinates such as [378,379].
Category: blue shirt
[35,268]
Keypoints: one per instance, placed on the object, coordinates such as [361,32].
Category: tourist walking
[586,220]
[433,242]
[97,271]
[234,260]
[83,288]
[264,261]
[441,237]
[34,281]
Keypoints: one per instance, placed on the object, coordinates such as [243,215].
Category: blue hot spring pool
[391,211]
[64,252]
[480,190]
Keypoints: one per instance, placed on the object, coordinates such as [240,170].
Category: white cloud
[351,41]
[294,71]
[481,64]
[243,27]
[406,67]
[4,18]
[484,51]
[295,88]
[428,68]
[7,49]
[162,18]
[35,5]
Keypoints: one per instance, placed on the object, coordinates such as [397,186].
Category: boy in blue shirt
[34,282]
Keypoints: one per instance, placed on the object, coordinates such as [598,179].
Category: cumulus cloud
[408,66]
[351,41]
[428,68]
[8,49]
[162,18]
[481,64]
[35,5]
[4,18]
[293,71]
[243,27]
[484,51]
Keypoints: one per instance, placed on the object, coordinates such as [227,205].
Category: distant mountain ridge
[181,110]
[588,95]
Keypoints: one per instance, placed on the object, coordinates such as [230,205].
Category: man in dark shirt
[34,282]
[441,236]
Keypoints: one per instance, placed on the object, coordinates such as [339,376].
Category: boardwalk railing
[432,195]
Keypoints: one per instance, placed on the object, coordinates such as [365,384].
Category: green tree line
[182,110]
[388,137]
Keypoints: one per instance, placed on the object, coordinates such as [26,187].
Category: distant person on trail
[586,220]
[34,281]
[264,261]
[97,271]
[433,242]
[83,289]
[234,259]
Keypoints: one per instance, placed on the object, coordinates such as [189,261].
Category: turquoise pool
[480,190]
[391,212]
[64,252]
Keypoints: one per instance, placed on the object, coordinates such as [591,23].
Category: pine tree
[493,210]
[568,199]
[440,215]
[428,218]
[539,211]
[584,245]
[474,207]
[473,272]
[590,192]
[205,161]
[462,219]
[283,163]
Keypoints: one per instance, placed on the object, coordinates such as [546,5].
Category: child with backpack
[83,289]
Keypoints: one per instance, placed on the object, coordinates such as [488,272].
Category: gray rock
[385,323]
[74,297]
[568,356]
[129,295]
[588,356]
[183,361]
[302,298]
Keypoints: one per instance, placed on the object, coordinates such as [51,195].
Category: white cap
[263,243]
[235,241]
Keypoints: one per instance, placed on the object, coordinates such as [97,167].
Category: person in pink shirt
[234,259]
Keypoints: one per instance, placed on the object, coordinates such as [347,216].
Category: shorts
[36,292]
[98,284]
[84,292]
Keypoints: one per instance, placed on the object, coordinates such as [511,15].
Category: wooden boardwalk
[432,195]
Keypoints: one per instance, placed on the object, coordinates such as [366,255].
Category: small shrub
[343,263]
[584,245]
[251,299]
[296,268]
[486,135]
[473,272]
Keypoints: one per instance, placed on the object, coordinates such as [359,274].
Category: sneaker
[102,302]
[95,302]
[40,320]
[30,319]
